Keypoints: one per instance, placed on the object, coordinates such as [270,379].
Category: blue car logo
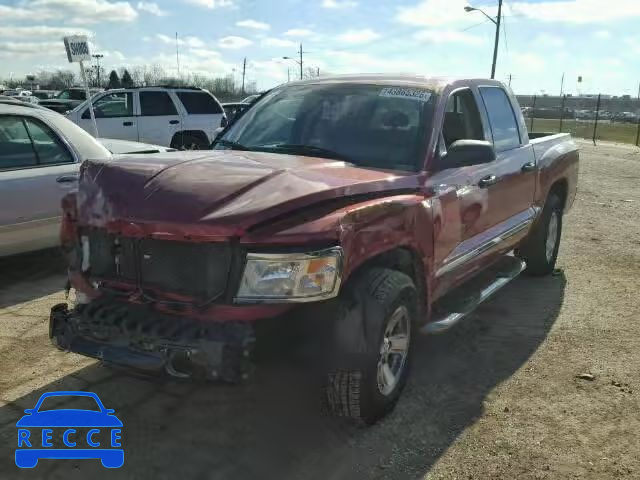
[37,429]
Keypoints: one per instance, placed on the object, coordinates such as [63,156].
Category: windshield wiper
[306,150]
[232,145]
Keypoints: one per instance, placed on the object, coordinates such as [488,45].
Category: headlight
[295,277]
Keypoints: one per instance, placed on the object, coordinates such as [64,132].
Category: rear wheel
[540,249]
[374,335]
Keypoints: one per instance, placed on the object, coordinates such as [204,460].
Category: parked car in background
[366,208]
[43,94]
[251,98]
[232,110]
[180,117]
[40,155]
[68,99]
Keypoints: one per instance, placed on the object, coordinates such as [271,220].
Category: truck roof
[436,84]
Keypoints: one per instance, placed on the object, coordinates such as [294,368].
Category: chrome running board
[464,299]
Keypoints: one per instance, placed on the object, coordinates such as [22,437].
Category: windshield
[375,126]
[78,402]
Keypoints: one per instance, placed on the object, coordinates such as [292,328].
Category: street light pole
[98,56]
[496,22]
[299,62]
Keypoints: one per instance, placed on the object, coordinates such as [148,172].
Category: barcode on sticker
[414,93]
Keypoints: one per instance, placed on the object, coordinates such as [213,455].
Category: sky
[598,40]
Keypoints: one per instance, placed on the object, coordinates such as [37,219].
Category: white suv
[178,117]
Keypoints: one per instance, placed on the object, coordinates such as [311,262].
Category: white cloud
[152,8]
[191,42]
[578,11]
[278,42]
[528,61]
[233,42]
[548,40]
[358,36]
[203,52]
[253,24]
[448,36]
[299,32]
[336,4]
[83,11]
[211,4]
[434,13]
[41,31]
[345,62]
[27,49]
[8,13]
[602,34]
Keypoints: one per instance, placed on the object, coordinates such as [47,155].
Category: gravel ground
[496,397]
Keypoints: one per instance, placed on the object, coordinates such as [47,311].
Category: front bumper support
[136,336]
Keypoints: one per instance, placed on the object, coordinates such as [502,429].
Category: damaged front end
[118,318]
[138,337]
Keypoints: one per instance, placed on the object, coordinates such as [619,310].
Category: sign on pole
[77,48]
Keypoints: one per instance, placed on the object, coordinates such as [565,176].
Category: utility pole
[98,56]
[244,71]
[318,71]
[509,80]
[288,74]
[496,22]
[177,56]
[562,84]
[301,61]
[495,46]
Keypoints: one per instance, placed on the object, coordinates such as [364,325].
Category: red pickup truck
[379,206]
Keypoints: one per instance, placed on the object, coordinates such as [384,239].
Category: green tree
[114,81]
[126,81]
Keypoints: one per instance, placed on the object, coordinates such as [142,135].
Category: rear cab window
[199,103]
[502,118]
[156,103]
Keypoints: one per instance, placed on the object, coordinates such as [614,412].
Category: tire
[379,306]
[540,249]
[189,141]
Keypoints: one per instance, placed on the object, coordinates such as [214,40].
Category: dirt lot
[496,397]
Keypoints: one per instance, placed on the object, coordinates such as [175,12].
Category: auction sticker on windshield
[415,93]
[52,429]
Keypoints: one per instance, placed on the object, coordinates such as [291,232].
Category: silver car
[40,156]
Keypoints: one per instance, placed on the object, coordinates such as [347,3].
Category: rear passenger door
[36,171]
[514,168]
[159,119]
[202,112]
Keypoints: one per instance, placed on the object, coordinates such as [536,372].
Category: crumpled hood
[218,193]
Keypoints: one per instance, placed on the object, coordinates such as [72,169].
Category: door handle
[174,122]
[487,181]
[67,179]
[127,124]
[528,167]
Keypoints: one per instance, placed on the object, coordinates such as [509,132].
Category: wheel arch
[404,259]
[177,138]
[560,188]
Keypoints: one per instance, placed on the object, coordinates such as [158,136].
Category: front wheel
[374,332]
[540,249]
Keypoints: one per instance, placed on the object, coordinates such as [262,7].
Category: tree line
[225,88]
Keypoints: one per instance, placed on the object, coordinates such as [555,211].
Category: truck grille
[196,269]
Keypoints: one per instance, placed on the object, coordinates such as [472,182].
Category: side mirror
[464,153]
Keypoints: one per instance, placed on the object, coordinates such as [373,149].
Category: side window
[501,117]
[199,103]
[78,95]
[156,104]
[16,150]
[461,118]
[119,104]
[49,149]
